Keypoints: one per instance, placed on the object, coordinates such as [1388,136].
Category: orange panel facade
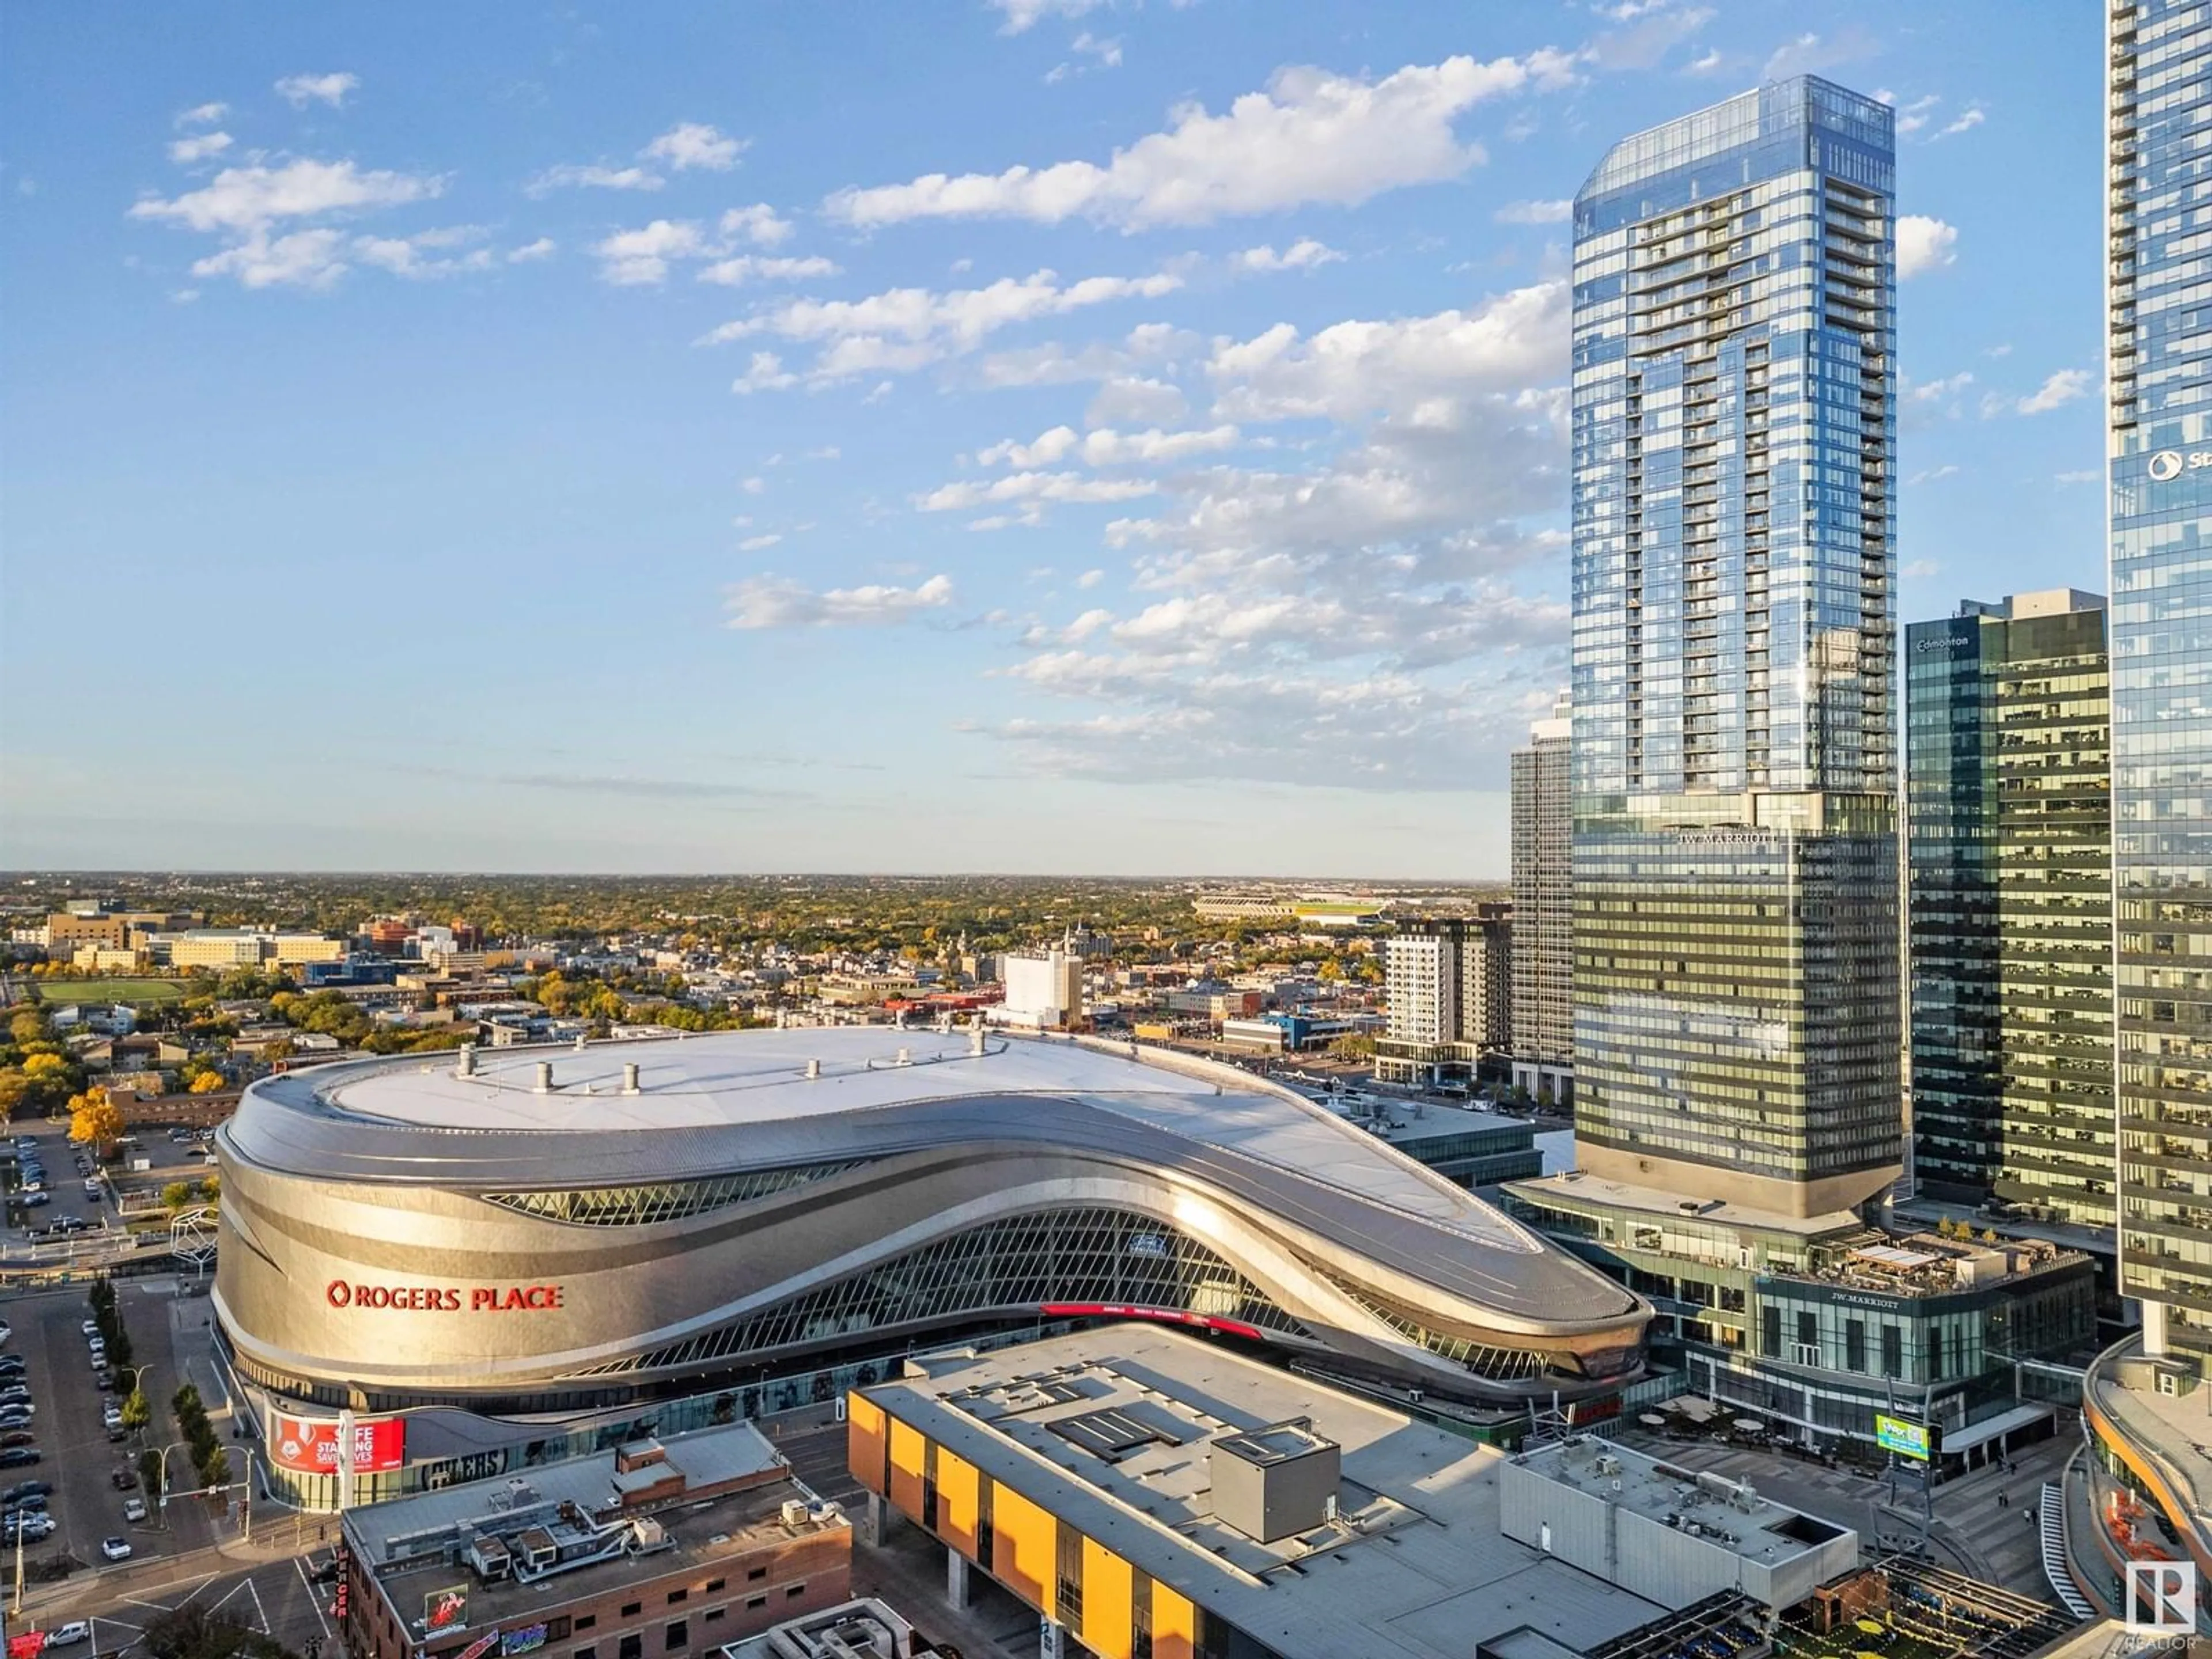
[863,1442]
[1025,1547]
[906,1468]
[1106,1582]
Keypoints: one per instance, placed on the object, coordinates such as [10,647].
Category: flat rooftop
[1574,1187]
[1727,1515]
[1111,1429]
[410,1543]
[761,1079]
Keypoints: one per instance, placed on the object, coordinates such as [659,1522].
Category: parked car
[17,1416]
[6,1330]
[15,1394]
[124,1480]
[104,1380]
[18,1457]
[134,1509]
[34,1505]
[29,1527]
[12,1364]
[32,1199]
[90,1328]
[13,1437]
[63,1636]
[115,1549]
[23,1489]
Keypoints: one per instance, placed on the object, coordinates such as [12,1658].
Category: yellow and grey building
[1150,1495]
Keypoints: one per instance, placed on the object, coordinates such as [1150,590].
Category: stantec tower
[1736,959]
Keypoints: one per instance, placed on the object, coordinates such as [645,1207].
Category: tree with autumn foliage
[94,1119]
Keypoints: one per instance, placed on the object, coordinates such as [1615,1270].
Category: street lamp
[162,1501]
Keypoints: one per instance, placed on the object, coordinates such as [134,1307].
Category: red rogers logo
[444,1298]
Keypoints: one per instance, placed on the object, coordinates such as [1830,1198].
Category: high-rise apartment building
[2159,408]
[2010,905]
[1449,979]
[1544,910]
[1736,997]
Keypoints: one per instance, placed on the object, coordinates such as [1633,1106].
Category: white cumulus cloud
[695,144]
[2055,391]
[1535,213]
[1924,243]
[780,602]
[246,207]
[1311,137]
[203,115]
[751,267]
[1302,255]
[301,90]
[631,258]
[902,330]
[594,176]
[1023,14]
[186,151]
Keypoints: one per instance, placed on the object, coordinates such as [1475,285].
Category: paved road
[275,1596]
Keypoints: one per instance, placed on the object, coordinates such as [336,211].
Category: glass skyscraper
[2010,905]
[1736,1022]
[2159,398]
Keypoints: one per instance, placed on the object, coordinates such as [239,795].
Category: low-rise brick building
[650,1550]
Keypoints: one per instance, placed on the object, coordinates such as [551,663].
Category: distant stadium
[507,1246]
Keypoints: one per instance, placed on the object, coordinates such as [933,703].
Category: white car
[111,1419]
[134,1509]
[6,1330]
[62,1635]
[90,1328]
[115,1549]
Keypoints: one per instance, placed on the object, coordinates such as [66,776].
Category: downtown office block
[2009,809]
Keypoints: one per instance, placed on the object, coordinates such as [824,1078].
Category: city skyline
[1322,404]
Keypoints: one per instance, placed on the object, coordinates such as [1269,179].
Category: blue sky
[1036,435]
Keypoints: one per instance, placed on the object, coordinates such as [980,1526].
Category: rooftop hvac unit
[794,1513]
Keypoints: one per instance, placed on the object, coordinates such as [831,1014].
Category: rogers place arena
[455,1269]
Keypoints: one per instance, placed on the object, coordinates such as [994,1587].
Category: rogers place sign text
[444,1298]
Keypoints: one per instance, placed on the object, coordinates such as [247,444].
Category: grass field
[56,993]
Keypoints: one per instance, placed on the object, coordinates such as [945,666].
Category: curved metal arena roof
[728,1101]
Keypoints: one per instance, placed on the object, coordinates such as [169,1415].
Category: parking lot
[33,1232]
[77,1456]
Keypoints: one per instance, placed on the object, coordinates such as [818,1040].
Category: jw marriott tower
[1736,880]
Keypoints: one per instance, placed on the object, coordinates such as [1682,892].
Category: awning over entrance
[1981,1433]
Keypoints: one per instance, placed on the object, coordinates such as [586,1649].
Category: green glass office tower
[2159,401]
[1736,1023]
[2008,815]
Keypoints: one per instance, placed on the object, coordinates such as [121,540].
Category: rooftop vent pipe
[580,1043]
[465,1065]
[975,1039]
[813,1068]
[545,1084]
[629,1078]
[906,1057]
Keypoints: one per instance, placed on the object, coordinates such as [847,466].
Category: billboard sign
[310,1444]
[1906,1439]
[528,1639]
[446,1609]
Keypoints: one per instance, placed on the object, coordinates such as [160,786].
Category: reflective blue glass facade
[2159,392]
[1737,953]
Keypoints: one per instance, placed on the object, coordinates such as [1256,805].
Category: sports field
[56,993]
